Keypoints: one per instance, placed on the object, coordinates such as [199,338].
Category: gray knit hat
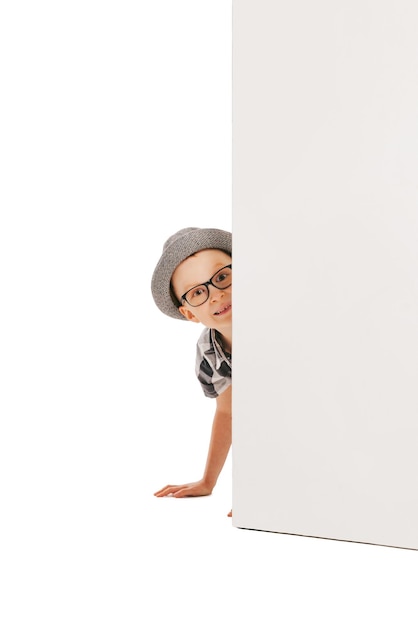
[176,249]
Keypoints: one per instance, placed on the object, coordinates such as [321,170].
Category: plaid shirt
[213,364]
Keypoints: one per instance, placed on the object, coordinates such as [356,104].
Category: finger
[160,491]
[230,514]
[168,490]
[184,493]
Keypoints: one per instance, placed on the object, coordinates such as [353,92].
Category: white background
[115,132]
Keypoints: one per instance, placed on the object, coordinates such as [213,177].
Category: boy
[193,281]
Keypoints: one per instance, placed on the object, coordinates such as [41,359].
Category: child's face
[216,312]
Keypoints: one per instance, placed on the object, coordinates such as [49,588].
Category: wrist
[208,483]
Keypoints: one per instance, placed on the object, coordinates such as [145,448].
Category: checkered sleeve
[214,373]
[205,377]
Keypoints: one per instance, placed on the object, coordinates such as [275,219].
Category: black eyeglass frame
[206,284]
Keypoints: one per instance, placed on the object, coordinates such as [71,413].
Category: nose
[215,294]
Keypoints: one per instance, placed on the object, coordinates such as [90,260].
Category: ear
[186,312]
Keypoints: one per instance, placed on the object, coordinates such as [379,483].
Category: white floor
[85,542]
[201,569]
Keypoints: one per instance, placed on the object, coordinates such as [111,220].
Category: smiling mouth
[224,310]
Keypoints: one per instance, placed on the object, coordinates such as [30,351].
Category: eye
[197,295]
[223,275]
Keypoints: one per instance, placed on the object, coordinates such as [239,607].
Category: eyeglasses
[199,294]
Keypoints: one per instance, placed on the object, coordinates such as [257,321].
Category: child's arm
[220,443]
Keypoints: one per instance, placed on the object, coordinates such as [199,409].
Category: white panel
[325,223]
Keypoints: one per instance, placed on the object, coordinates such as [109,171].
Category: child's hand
[200,488]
